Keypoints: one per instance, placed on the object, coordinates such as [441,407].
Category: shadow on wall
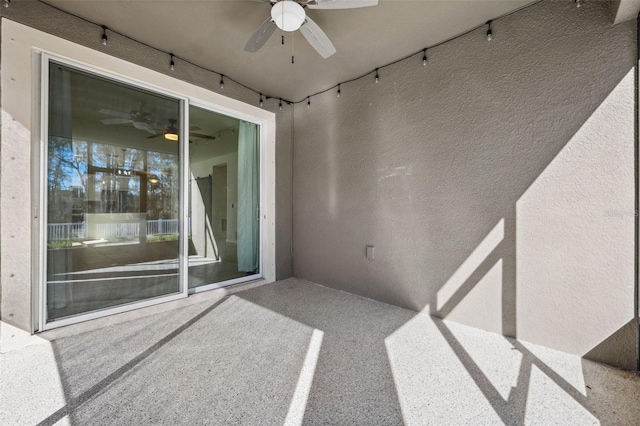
[559,262]
[496,184]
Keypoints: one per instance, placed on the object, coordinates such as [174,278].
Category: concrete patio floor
[294,352]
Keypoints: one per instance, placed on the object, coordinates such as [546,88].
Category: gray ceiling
[213,34]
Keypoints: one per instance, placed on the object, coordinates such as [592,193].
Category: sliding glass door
[224,234]
[112,191]
[128,220]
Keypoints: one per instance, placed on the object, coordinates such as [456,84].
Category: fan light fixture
[288,15]
[153,179]
[171,133]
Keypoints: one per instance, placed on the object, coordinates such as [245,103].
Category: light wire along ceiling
[213,34]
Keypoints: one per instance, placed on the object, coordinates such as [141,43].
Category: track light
[221,81]
[424,57]
[172,64]
[338,90]
[261,101]
[280,104]
[489,34]
[6,3]
[377,76]
[104,35]
[308,102]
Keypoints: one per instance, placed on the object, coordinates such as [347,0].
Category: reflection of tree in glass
[65,158]
[163,196]
[83,178]
[67,179]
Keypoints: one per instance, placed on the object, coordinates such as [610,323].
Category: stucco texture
[496,183]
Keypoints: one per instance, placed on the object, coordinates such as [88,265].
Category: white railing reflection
[78,231]
[66,231]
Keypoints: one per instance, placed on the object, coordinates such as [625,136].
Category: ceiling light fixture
[261,101]
[222,81]
[172,64]
[308,102]
[377,76]
[6,3]
[489,34]
[280,104]
[104,35]
[171,133]
[153,179]
[339,90]
[424,57]
[578,3]
[288,15]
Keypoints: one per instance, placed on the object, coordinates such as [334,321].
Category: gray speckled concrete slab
[295,352]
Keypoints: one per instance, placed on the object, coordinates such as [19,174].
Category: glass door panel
[224,232]
[113,184]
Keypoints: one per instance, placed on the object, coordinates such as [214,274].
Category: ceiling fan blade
[115,113]
[201,136]
[141,125]
[110,121]
[260,36]
[317,38]
[342,4]
[157,135]
[194,128]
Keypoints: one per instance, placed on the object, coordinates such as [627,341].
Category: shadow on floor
[294,352]
[228,363]
[353,383]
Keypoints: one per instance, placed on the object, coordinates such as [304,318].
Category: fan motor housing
[288,15]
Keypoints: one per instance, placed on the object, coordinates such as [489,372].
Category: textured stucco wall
[497,183]
[16,269]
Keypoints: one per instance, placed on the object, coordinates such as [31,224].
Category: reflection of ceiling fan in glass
[140,119]
[171,132]
[290,15]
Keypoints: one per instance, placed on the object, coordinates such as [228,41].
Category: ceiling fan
[171,132]
[290,15]
[140,119]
